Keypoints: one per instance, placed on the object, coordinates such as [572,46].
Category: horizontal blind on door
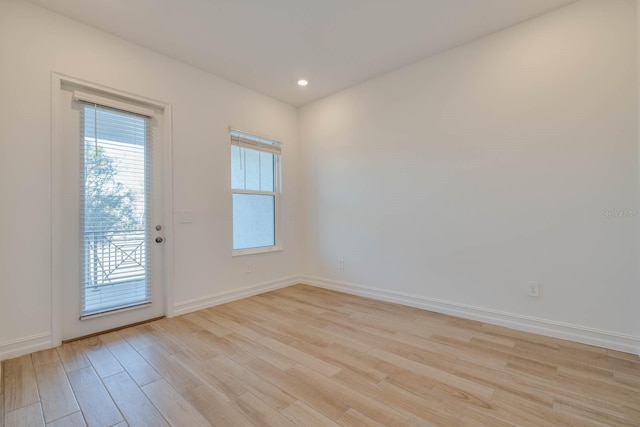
[114,209]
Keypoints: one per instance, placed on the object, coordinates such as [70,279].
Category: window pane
[252,169]
[253,221]
[237,168]
[266,171]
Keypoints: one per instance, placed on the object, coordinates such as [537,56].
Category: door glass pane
[253,221]
[114,210]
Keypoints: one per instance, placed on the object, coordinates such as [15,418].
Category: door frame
[166,133]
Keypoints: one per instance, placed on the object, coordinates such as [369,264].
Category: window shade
[94,99]
[114,209]
[246,140]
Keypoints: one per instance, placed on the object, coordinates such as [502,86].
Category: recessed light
[302,82]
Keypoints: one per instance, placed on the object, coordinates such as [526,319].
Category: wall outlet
[341,264]
[533,289]
[248,268]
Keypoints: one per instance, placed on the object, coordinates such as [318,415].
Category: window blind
[246,140]
[114,209]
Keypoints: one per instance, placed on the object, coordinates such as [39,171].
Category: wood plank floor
[310,357]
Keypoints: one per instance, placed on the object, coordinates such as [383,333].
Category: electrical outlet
[341,264]
[533,289]
[248,268]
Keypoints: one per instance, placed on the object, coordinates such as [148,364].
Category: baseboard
[26,345]
[185,307]
[600,338]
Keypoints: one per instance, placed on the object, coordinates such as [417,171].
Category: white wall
[458,179]
[35,42]
[638,92]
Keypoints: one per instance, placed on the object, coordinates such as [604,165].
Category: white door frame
[166,133]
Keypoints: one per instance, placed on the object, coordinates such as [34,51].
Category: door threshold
[131,325]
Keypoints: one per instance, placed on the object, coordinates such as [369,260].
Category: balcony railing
[114,257]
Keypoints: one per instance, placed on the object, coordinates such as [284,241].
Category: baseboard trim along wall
[25,345]
[185,307]
[611,340]
[18,347]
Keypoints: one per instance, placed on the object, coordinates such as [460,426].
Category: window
[255,184]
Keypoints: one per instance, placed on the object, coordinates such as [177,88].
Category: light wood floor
[310,357]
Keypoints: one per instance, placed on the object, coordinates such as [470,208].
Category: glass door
[112,214]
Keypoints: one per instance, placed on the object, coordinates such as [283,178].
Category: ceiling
[267,45]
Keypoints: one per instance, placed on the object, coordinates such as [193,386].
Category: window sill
[252,251]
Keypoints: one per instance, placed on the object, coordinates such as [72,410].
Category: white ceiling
[267,45]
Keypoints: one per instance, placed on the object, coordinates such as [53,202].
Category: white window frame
[255,144]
